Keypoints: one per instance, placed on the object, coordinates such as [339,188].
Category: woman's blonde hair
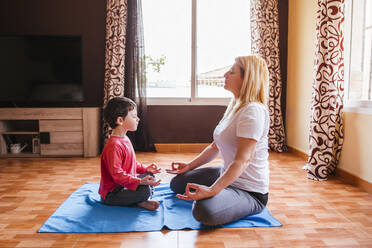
[255,84]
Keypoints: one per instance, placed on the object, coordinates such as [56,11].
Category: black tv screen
[41,71]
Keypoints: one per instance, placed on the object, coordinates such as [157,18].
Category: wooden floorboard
[314,214]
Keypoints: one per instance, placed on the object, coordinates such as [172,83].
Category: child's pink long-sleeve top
[119,166]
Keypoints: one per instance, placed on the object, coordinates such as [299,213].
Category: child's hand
[153,168]
[149,180]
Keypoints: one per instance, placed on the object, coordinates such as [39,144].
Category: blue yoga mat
[83,212]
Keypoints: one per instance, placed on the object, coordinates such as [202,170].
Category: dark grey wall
[183,124]
[64,17]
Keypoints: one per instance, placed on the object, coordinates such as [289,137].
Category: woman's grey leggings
[229,205]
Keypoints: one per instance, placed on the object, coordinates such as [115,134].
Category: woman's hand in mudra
[195,192]
[178,168]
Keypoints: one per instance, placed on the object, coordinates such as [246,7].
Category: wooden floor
[314,214]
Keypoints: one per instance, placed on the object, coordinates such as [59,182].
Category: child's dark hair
[117,107]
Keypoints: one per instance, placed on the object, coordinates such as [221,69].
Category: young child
[119,184]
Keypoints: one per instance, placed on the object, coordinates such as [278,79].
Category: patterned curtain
[326,128]
[265,42]
[116,22]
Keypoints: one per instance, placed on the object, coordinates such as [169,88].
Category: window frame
[352,105]
[193,100]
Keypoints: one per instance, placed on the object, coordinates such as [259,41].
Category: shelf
[15,132]
[21,155]
[63,132]
[11,126]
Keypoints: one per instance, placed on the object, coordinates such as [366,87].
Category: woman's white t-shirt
[252,121]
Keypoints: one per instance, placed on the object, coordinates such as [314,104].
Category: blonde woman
[240,188]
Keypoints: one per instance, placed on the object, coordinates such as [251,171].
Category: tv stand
[49,132]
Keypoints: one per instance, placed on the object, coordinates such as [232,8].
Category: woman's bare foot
[150,205]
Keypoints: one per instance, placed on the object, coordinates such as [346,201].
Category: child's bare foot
[150,205]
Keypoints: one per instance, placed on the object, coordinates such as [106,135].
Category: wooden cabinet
[54,132]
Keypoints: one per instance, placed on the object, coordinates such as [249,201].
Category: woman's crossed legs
[229,205]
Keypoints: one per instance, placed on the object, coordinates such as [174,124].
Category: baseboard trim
[341,174]
[353,180]
[298,152]
[185,147]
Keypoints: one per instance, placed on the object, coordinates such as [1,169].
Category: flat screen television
[41,71]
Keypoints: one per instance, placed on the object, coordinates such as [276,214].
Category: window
[358,53]
[189,45]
